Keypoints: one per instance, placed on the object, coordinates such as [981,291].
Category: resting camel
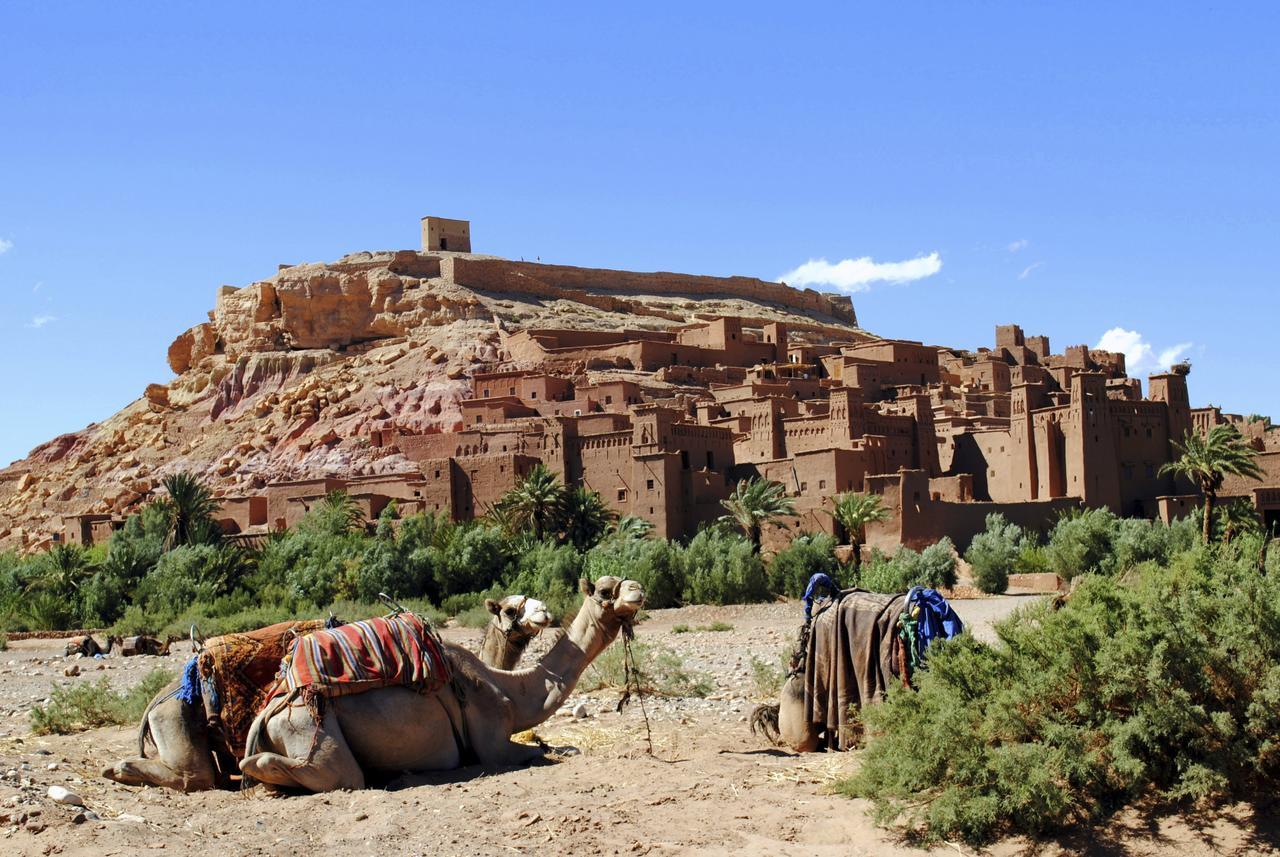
[88,646]
[144,645]
[185,756]
[516,621]
[395,729]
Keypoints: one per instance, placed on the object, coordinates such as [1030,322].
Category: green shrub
[1161,682]
[547,571]
[767,678]
[659,671]
[318,567]
[190,574]
[469,557]
[806,555]
[935,567]
[4,641]
[681,629]
[1081,542]
[993,554]
[88,706]
[719,567]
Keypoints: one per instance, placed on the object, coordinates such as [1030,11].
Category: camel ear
[492,606]
[587,587]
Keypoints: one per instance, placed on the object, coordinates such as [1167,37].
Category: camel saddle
[397,650]
[233,675]
[854,654]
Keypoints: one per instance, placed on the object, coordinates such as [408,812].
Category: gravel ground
[709,788]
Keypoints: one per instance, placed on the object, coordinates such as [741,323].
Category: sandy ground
[710,788]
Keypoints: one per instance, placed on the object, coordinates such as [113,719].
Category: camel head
[614,602]
[517,615]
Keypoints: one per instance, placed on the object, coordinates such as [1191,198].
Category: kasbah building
[944,435]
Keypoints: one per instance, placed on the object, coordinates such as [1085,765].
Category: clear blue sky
[1076,169]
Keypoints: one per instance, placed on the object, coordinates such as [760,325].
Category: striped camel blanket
[381,652]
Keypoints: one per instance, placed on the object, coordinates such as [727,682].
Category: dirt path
[712,788]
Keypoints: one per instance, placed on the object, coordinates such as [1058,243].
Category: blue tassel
[189,692]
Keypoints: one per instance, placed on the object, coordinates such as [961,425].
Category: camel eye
[511,611]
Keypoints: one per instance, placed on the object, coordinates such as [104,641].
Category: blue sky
[1074,169]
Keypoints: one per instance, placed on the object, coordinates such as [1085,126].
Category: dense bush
[1164,681]
[1082,543]
[807,555]
[720,567]
[994,553]
[935,566]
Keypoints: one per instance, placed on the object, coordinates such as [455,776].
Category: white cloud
[37,287]
[41,320]
[5,246]
[1026,272]
[1020,244]
[857,275]
[1140,356]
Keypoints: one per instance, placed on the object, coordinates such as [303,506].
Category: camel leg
[185,761]
[795,731]
[295,733]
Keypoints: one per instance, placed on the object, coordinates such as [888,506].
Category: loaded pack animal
[193,754]
[89,647]
[857,646]
[388,730]
[143,644]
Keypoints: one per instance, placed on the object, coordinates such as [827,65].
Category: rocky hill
[291,374]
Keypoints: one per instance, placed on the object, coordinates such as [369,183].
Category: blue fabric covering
[811,593]
[189,692]
[935,621]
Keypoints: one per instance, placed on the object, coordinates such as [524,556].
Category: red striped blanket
[360,656]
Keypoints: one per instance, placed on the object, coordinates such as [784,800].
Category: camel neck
[538,692]
[501,650]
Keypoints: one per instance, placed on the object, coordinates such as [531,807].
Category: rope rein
[631,677]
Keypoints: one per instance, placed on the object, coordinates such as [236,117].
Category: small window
[622,495]
[684,459]
[608,400]
[486,393]
[437,474]
[804,486]
[822,485]
[533,394]
[648,483]
[511,391]
[711,460]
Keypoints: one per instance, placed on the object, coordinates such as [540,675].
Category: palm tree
[537,502]
[754,503]
[853,512]
[1207,460]
[1238,518]
[190,509]
[337,514]
[631,528]
[63,569]
[586,518]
